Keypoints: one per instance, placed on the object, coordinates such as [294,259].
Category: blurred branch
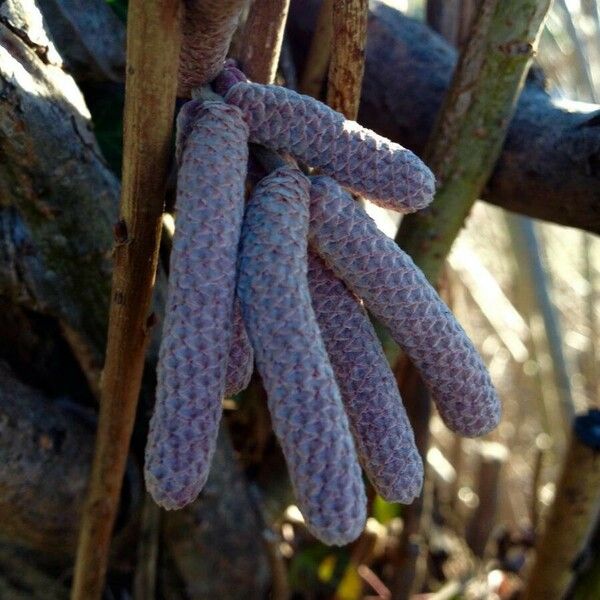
[527,251]
[151,82]
[472,125]
[492,457]
[144,583]
[262,38]
[573,513]
[347,64]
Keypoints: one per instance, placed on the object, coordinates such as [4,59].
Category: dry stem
[153,46]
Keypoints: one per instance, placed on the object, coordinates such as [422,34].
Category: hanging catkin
[196,340]
[400,296]
[304,400]
[381,429]
[359,159]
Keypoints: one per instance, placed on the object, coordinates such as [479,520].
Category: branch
[347,64]
[262,38]
[92,40]
[45,452]
[472,124]
[149,107]
[550,164]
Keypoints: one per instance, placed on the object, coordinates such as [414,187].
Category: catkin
[382,432]
[197,332]
[398,294]
[359,159]
[304,400]
[240,361]
[208,26]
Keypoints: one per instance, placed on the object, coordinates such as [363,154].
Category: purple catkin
[359,159]
[400,296]
[240,361]
[208,27]
[304,400]
[197,330]
[381,429]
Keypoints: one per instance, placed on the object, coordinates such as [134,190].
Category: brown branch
[347,64]
[262,38]
[153,45]
[473,122]
[573,514]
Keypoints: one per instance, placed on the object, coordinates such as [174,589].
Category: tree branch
[549,167]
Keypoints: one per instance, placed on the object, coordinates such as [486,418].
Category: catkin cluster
[280,280]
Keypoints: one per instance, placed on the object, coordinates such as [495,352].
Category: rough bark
[58,198]
[91,38]
[46,454]
[550,164]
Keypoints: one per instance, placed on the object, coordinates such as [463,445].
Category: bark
[549,167]
[347,65]
[151,82]
[259,55]
[58,198]
[46,452]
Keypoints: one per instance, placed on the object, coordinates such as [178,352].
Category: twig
[492,456]
[153,45]
[347,64]
[572,515]
[473,122]
[317,61]
[262,39]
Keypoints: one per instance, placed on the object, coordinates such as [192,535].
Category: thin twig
[262,38]
[347,64]
[319,53]
[153,46]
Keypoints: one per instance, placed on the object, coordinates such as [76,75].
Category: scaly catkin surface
[304,400]
[398,294]
[197,331]
[380,426]
[240,362]
[208,27]
[359,159]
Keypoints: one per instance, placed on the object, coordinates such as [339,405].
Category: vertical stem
[347,64]
[473,122]
[526,244]
[319,53]
[572,515]
[153,46]
[262,39]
